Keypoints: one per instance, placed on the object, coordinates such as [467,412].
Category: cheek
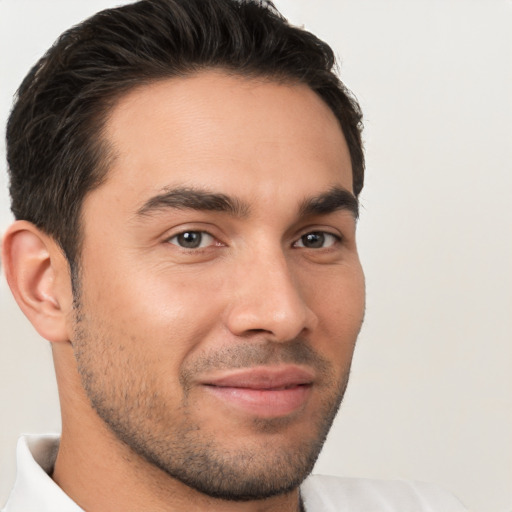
[163,311]
[338,301]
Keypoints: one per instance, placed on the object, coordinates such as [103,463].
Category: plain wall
[430,396]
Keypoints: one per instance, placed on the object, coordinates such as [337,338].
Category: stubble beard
[131,404]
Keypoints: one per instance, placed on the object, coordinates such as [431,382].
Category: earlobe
[37,273]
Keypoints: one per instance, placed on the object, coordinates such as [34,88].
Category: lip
[268,392]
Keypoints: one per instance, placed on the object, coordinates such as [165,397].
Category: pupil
[313,240]
[190,239]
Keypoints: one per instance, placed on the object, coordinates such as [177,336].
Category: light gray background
[431,390]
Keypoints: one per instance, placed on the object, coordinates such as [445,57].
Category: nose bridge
[268,297]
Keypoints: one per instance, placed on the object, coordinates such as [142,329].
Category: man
[184,175]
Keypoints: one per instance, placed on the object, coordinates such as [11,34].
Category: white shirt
[35,491]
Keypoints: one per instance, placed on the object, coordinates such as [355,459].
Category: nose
[267,300]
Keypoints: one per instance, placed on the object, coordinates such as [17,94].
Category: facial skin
[220,296]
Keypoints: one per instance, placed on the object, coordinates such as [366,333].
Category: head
[197,165]
[56,151]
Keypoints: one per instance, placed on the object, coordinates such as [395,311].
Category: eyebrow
[335,199]
[184,198]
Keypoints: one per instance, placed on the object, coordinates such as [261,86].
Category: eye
[317,240]
[192,239]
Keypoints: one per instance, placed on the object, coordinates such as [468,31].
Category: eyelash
[195,232]
[322,235]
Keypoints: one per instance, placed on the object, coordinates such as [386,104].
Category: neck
[88,475]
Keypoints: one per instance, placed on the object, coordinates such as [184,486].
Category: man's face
[221,292]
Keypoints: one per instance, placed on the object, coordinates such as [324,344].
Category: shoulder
[328,493]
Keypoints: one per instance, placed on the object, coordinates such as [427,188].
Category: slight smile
[268,392]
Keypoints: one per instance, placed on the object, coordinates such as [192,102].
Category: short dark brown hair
[55,149]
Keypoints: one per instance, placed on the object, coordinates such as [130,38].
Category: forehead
[230,133]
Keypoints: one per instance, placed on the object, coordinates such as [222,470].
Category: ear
[38,274]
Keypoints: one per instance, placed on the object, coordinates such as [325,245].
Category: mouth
[267,392]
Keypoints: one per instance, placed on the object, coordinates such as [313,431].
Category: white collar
[34,490]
